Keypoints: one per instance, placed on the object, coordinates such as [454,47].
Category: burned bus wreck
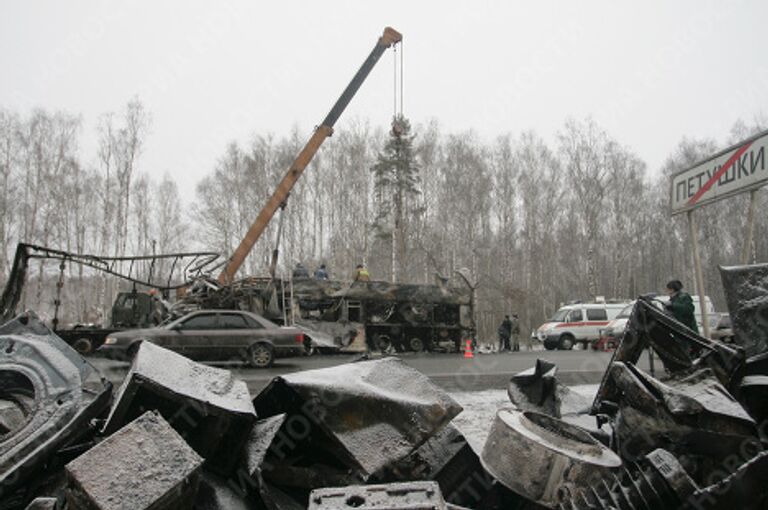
[404,317]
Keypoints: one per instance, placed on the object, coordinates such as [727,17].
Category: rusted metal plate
[52,394]
[208,406]
[371,413]
[543,458]
[396,496]
[146,465]
[746,291]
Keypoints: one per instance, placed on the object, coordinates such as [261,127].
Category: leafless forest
[536,222]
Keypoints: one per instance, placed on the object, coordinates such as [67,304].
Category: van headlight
[110,340]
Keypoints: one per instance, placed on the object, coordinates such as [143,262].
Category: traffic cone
[468,349]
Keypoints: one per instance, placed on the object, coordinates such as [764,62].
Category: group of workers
[509,332]
[360,274]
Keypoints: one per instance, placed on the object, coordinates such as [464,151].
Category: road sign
[735,170]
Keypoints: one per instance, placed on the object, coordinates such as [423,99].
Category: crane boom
[323,131]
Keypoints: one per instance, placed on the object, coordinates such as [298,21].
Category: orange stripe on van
[572,324]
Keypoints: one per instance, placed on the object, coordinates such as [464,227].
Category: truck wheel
[382,342]
[416,344]
[566,342]
[261,355]
[83,346]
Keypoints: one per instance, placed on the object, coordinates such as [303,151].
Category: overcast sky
[209,72]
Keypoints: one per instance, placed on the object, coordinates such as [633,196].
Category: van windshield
[625,312]
[559,316]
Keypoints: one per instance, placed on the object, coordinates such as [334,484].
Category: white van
[612,333]
[577,323]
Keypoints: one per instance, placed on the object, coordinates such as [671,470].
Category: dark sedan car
[213,335]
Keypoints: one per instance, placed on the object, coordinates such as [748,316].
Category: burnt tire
[83,346]
[261,355]
[566,342]
[416,344]
[382,342]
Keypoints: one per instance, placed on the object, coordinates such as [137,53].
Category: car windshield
[624,313]
[559,316]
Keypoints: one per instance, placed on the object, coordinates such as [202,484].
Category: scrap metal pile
[378,435]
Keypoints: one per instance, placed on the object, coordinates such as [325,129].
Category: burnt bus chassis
[403,317]
[407,327]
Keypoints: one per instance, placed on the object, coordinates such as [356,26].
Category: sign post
[750,227]
[699,273]
[735,170]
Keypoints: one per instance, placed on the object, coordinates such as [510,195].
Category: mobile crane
[389,38]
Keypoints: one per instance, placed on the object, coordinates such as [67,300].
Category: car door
[597,319]
[195,335]
[237,335]
[575,322]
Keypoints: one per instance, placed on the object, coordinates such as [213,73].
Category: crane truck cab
[577,323]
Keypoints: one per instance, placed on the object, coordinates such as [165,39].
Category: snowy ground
[480,408]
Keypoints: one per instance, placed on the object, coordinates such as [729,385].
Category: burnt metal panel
[55,394]
[145,465]
[746,291]
[448,459]
[679,349]
[744,489]
[371,413]
[396,496]
[688,414]
[208,406]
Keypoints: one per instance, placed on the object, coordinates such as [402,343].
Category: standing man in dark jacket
[681,306]
[504,331]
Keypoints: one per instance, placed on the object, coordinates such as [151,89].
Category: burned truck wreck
[405,317]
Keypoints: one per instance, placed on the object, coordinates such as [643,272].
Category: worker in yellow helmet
[361,274]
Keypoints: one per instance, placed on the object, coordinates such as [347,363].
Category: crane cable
[396,76]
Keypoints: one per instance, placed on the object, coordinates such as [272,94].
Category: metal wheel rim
[261,356]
